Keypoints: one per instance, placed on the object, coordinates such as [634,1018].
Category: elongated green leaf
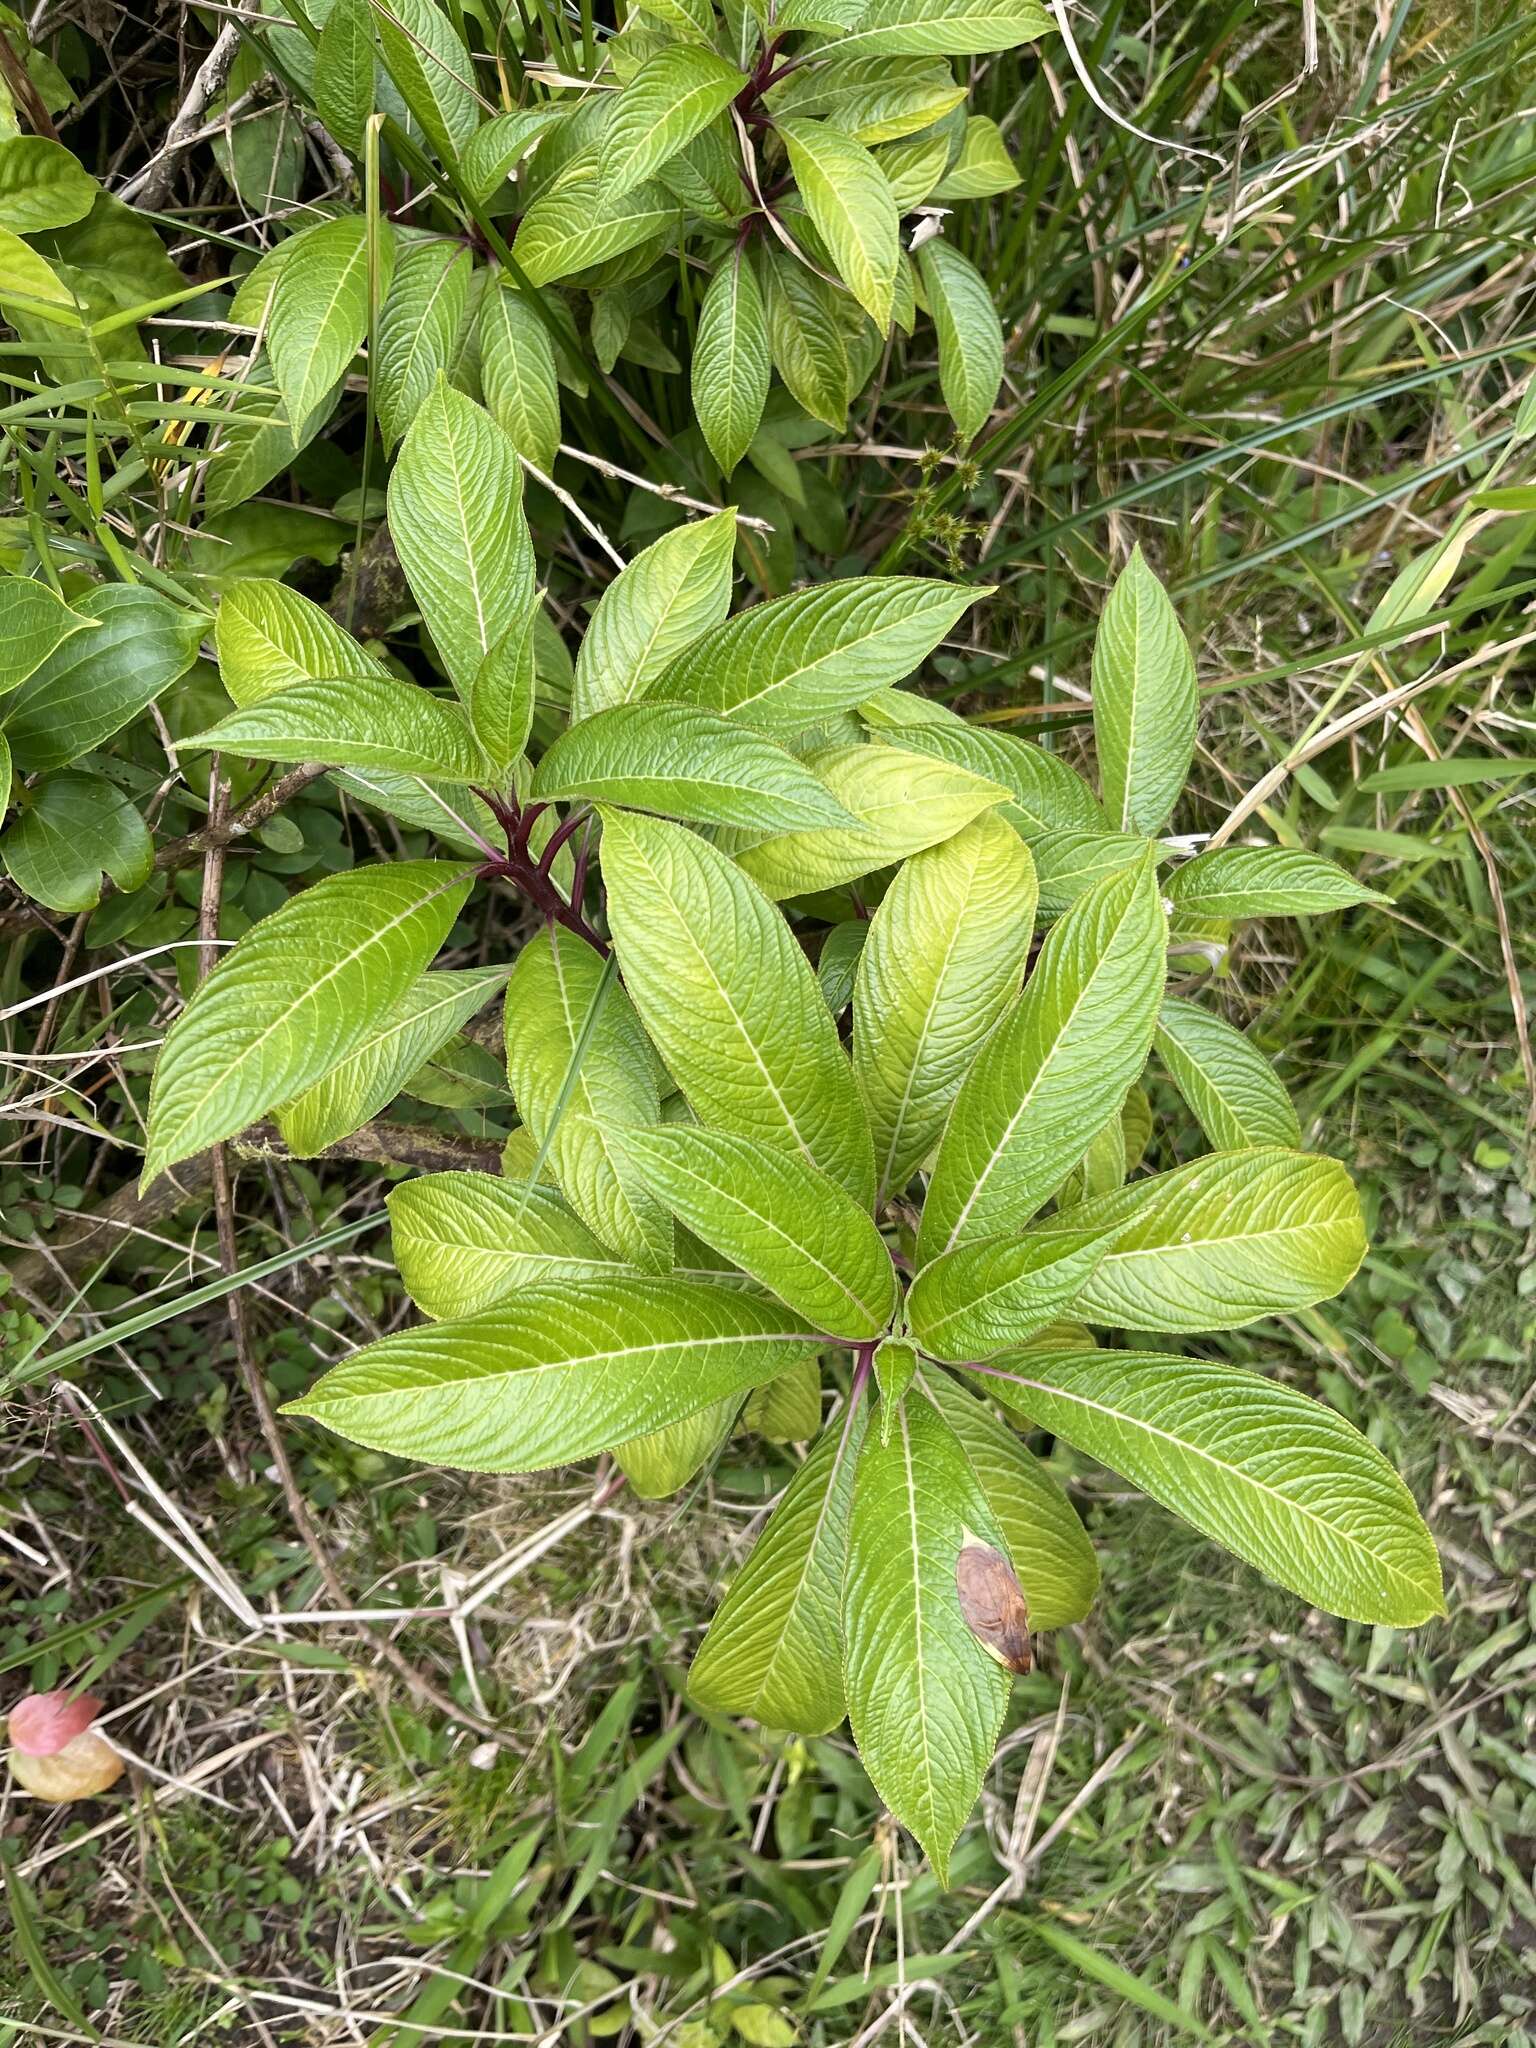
[1046,795]
[943,28]
[943,959]
[579,225]
[456,516]
[75,828]
[1070,863]
[300,992]
[925,1701]
[1226,1081]
[788,1409]
[1144,701]
[1283,1482]
[433,70]
[653,610]
[503,698]
[93,683]
[1043,1536]
[789,664]
[778,1219]
[567,1369]
[1263,881]
[517,374]
[970,335]
[464,1241]
[670,98]
[895,1368]
[346,68]
[806,338]
[730,999]
[41,185]
[497,146]
[873,99]
[361,721]
[985,1296]
[1221,1241]
[838,962]
[319,312]
[418,327]
[775,1647]
[686,762]
[731,367]
[847,196]
[902,803]
[667,1458]
[983,168]
[423,1021]
[692,19]
[268,636]
[1056,1069]
[582,1114]
[33,624]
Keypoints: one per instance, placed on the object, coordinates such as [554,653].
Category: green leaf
[983,168]
[300,993]
[419,325]
[361,721]
[1056,1069]
[7,775]
[731,367]
[730,999]
[1284,1483]
[774,1650]
[1221,1241]
[944,28]
[653,611]
[838,962]
[902,803]
[779,1219]
[433,70]
[669,100]
[41,185]
[464,1241]
[943,959]
[692,19]
[34,622]
[805,336]
[456,516]
[75,828]
[911,169]
[796,661]
[93,684]
[568,1369]
[581,1108]
[847,196]
[399,1045]
[969,332]
[1262,881]
[1144,701]
[31,290]
[346,72]
[925,1701]
[579,225]
[895,1368]
[320,311]
[1046,795]
[685,762]
[498,145]
[788,1409]
[870,98]
[665,1459]
[997,1291]
[268,637]
[504,694]
[517,374]
[1224,1078]
[1045,1541]
[1070,863]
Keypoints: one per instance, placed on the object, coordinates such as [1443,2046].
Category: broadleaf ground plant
[827,1034]
[902,1190]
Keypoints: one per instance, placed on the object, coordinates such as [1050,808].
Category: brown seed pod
[56,1754]
[993,1604]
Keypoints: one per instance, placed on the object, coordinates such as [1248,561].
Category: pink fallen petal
[42,1723]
